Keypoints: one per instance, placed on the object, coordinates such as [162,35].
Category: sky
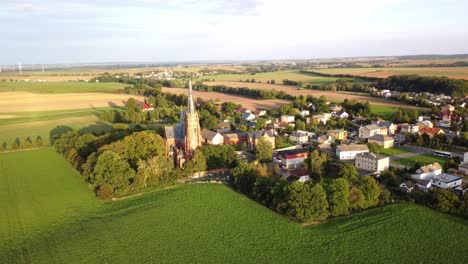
[86,31]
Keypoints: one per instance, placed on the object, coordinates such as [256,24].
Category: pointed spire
[191,105]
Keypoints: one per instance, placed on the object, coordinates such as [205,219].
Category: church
[183,138]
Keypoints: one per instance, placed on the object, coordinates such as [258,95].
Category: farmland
[423,160]
[451,72]
[51,217]
[60,87]
[278,76]
[246,102]
[384,105]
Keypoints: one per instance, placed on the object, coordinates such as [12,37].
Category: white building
[349,152]
[248,115]
[299,137]
[446,180]
[371,162]
[305,113]
[369,131]
[427,172]
[212,138]
[287,119]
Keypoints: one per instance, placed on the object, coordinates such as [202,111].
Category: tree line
[262,94]
[418,84]
[26,144]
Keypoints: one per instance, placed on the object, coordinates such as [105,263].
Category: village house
[287,119]
[260,112]
[464,165]
[255,136]
[368,131]
[304,113]
[223,127]
[424,124]
[235,138]
[300,137]
[427,172]
[293,158]
[212,138]
[321,119]
[390,127]
[446,180]
[338,134]
[407,186]
[431,131]
[381,140]
[334,108]
[424,185]
[371,162]
[407,128]
[340,114]
[349,152]
[248,116]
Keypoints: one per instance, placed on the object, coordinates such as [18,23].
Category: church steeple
[191,105]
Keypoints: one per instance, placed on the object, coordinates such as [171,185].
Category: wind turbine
[20,67]
[42,65]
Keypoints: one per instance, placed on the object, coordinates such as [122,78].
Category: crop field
[451,72]
[60,87]
[278,76]
[49,216]
[382,105]
[422,159]
[246,102]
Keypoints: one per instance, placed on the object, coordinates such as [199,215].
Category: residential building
[223,127]
[299,137]
[381,140]
[349,152]
[304,113]
[424,185]
[260,112]
[293,158]
[371,162]
[338,134]
[340,114]
[255,136]
[322,118]
[424,124]
[287,119]
[234,138]
[407,186]
[368,131]
[389,126]
[464,165]
[446,180]
[427,172]
[248,116]
[212,138]
[408,128]
[431,131]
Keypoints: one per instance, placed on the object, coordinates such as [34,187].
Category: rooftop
[446,178]
[352,148]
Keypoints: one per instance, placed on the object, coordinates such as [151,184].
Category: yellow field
[28,102]
[451,72]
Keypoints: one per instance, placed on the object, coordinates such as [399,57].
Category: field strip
[61,121]
[330,95]
[246,102]
[29,102]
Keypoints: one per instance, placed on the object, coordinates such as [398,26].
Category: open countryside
[215,225]
[451,72]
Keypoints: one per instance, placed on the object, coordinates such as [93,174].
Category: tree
[261,123]
[196,164]
[243,178]
[39,141]
[339,197]
[16,144]
[264,150]
[356,199]
[348,171]
[4,146]
[155,170]
[371,190]
[315,163]
[57,132]
[445,200]
[27,143]
[261,191]
[131,110]
[112,171]
[307,203]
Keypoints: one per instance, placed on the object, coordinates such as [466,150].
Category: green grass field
[60,87]
[423,160]
[49,216]
[394,151]
[386,112]
[278,76]
[33,124]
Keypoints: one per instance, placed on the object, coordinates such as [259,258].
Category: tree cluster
[26,144]
[418,84]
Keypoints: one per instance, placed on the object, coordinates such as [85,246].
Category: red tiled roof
[430,130]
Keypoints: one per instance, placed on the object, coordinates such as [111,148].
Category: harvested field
[246,102]
[451,72]
[333,96]
[28,102]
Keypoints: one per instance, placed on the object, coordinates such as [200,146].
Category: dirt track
[27,102]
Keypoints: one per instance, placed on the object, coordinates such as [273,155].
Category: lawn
[33,124]
[60,87]
[384,111]
[423,160]
[393,151]
[49,216]
[278,76]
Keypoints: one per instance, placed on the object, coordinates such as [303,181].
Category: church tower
[193,138]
